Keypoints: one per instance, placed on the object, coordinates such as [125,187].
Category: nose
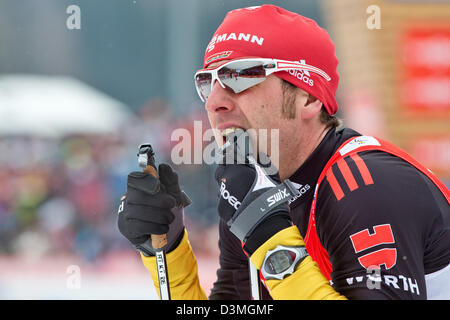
[220,99]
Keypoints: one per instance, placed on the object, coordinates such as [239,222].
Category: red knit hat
[269,31]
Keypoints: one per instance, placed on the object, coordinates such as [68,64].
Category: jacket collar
[305,178]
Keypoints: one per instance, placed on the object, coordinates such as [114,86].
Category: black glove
[252,203]
[152,206]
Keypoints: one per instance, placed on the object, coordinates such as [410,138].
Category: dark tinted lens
[233,71]
[202,78]
[241,75]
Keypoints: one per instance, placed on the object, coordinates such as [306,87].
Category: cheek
[268,115]
[217,135]
[212,119]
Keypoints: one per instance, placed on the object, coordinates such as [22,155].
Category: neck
[293,156]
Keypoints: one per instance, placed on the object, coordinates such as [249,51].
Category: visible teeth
[227,131]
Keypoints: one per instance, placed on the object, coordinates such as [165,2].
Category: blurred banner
[394,59]
[55,106]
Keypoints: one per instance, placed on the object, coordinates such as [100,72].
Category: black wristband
[266,230]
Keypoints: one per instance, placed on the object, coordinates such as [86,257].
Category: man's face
[261,108]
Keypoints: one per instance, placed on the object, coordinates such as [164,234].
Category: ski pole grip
[158,240]
[147,161]
[151,170]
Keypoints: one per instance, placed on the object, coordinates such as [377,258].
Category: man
[345,217]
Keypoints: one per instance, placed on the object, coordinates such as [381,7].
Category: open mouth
[227,131]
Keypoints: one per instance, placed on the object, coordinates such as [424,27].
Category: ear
[311,108]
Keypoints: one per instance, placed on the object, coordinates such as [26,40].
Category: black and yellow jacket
[372,209]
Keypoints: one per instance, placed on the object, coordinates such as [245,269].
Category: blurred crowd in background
[60,195]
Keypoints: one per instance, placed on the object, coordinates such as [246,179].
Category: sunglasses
[242,74]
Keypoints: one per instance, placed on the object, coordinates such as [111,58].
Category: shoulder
[373,188]
[378,175]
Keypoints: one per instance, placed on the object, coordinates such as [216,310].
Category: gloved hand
[252,203]
[152,206]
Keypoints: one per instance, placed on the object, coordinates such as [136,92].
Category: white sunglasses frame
[270,66]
